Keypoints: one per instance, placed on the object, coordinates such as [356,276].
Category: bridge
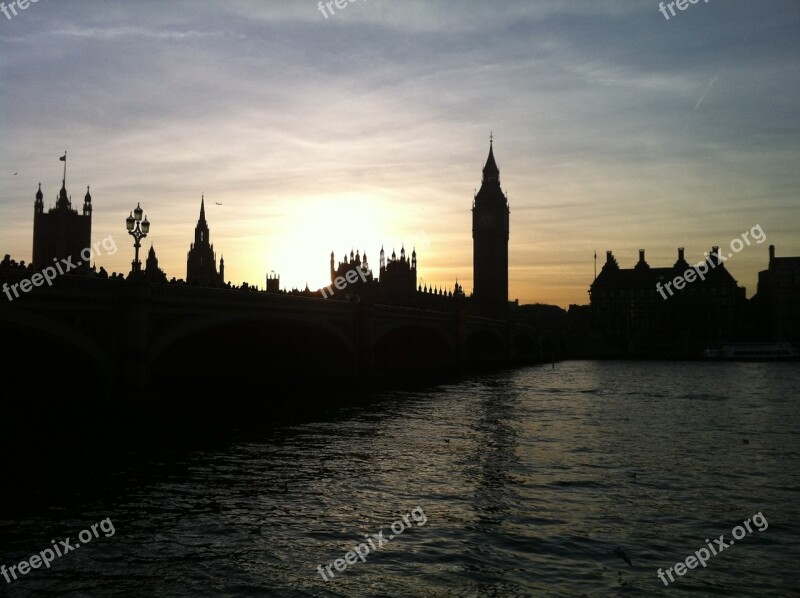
[127,336]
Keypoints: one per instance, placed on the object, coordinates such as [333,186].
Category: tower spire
[201,264]
[490,231]
[490,171]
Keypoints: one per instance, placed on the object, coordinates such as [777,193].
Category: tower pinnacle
[490,171]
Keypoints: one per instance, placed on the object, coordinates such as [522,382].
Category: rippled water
[529,480]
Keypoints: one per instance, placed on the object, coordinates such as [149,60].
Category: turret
[87,203]
[38,205]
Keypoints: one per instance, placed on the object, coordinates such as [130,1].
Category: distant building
[777,300]
[201,262]
[579,320]
[61,232]
[545,317]
[273,283]
[152,273]
[490,217]
[549,320]
[634,313]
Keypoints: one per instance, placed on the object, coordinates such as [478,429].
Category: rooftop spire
[63,200]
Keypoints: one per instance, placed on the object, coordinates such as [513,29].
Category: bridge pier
[135,333]
[365,359]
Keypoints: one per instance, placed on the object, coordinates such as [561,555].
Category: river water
[531,482]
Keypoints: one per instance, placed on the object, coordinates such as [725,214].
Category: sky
[614,127]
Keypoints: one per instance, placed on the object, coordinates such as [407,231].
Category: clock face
[487,219]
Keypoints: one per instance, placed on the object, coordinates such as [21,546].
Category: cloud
[270,108]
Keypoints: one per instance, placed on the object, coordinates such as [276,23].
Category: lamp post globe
[138,229]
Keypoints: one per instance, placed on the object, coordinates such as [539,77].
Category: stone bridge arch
[486,346]
[413,348]
[49,353]
[250,353]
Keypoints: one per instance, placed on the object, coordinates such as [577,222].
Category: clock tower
[490,244]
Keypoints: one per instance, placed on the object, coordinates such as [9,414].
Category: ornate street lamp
[138,229]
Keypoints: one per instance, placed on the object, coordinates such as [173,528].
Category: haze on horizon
[614,128]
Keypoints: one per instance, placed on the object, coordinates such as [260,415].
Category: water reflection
[530,480]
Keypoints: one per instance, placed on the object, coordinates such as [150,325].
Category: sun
[315,226]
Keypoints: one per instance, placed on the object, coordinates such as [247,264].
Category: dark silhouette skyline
[629,308]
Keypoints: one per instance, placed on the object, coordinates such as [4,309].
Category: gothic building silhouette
[396,281]
[362,282]
[398,276]
[61,232]
[490,218]
[201,262]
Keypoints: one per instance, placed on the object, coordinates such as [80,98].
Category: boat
[753,352]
